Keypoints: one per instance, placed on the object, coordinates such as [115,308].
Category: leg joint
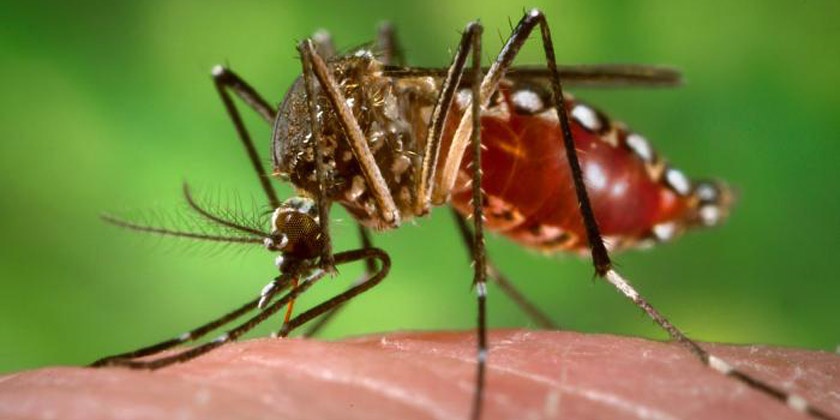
[220,72]
[474,28]
[536,14]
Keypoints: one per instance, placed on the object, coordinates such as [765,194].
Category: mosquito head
[713,201]
[295,229]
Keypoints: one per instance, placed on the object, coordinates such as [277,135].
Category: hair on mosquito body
[390,143]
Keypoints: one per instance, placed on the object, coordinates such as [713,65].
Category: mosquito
[504,145]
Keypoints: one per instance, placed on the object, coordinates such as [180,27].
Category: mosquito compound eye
[296,223]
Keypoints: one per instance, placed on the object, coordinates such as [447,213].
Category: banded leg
[230,335]
[794,401]
[281,283]
[600,256]
[226,79]
[470,42]
[478,250]
[128,358]
[531,310]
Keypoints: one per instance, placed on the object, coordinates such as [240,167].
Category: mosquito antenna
[177,233]
[216,219]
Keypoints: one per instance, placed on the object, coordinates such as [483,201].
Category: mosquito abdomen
[637,197]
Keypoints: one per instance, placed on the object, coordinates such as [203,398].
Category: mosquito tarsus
[389,142]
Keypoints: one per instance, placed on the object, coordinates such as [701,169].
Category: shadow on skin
[532,374]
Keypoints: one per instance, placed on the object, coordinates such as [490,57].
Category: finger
[430,375]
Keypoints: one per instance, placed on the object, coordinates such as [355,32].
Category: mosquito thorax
[295,230]
[390,113]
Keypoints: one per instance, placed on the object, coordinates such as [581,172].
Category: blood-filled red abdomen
[530,196]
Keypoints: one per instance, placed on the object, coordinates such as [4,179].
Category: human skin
[531,375]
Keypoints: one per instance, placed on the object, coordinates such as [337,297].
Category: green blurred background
[110,106]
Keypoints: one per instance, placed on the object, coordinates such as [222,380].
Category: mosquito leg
[794,401]
[227,79]
[229,336]
[440,115]
[478,250]
[314,65]
[341,258]
[130,359]
[388,47]
[195,334]
[323,205]
[168,344]
[370,268]
[536,315]
[470,42]
[600,256]
[367,242]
